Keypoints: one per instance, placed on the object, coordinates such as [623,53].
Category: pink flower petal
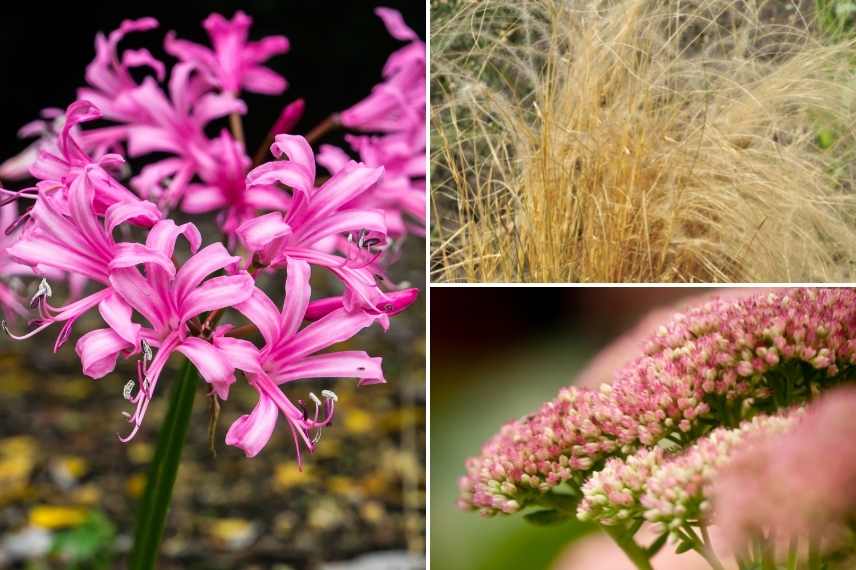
[261,311]
[252,432]
[211,364]
[98,351]
[202,264]
[342,364]
[259,231]
[297,294]
[217,293]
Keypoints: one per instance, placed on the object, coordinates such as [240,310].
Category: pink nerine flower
[288,355]
[397,104]
[46,129]
[235,63]
[316,217]
[709,365]
[796,485]
[109,74]
[401,192]
[168,299]
[64,162]
[65,234]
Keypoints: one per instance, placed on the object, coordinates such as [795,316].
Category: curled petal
[211,364]
[205,262]
[297,294]
[342,364]
[242,354]
[297,149]
[395,24]
[252,432]
[121,212]
[98,351]
[117,314]
[260,231]
[131,254]
[162,237]
[217,293]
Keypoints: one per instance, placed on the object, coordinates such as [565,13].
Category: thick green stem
[625,542]
[152,511]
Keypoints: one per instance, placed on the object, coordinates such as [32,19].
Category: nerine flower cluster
[160,287]
[715,364]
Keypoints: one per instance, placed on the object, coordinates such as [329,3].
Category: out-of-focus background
[68,487]
[496,355]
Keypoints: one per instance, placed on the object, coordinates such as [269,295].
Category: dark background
[337,52]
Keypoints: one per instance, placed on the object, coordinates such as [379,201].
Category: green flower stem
[707,550]
[625,542]
[152,511]
[793,553]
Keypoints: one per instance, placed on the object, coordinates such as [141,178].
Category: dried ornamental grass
[639,140]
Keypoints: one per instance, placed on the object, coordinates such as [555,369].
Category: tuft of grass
[640,141]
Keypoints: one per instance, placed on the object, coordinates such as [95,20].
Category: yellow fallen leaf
[233,533]
[53,517]
[357,421]
[136,484]
[288,475]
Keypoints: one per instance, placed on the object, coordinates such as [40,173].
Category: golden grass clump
[641,141]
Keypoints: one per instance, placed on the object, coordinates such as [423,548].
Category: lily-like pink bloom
[109,74]
[46,129]
[63,162]
[316,218]
[234,63]
[223,186]
[288,355]
[401,192]
[175,125]
[167,298]
[398,103]
[64,234]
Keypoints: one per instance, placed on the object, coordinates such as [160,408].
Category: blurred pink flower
[46,129]
[398,103]
[401,191]
[175,125]
[108,75]
[234,63]
[629,345]
[800,484]
[289,355]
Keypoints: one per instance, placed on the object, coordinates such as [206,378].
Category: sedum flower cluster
[716,364]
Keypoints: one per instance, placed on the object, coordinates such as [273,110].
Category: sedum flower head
[677,491]
[714,364]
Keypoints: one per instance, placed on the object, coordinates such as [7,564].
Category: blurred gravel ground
[68,487]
